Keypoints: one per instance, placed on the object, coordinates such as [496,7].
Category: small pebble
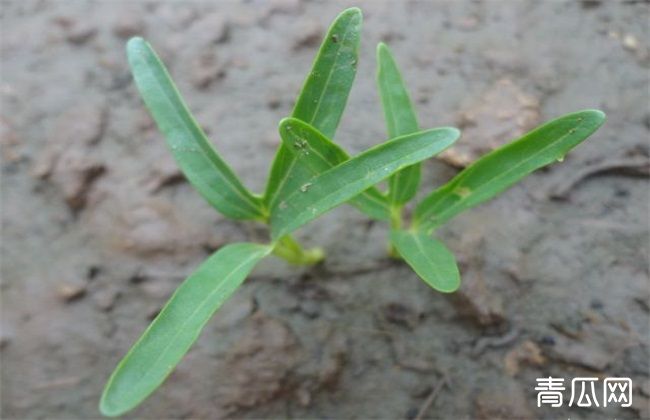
[547,340]
[630,42]
[70,292]
[80,33]
[596,304]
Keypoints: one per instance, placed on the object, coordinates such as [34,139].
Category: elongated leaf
[350,178]
[322,99]
[318,154]
[199,161]
[178,325]
[400,120]
[429,258]
[501,168]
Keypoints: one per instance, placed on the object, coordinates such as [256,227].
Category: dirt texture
[99,227]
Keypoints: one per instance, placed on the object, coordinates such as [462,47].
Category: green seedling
[311,175]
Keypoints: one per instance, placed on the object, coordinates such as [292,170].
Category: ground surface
[98,228]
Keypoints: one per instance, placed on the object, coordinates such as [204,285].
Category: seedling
[309,176]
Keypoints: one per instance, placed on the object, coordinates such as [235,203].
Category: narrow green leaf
[350,178]
[198,159]
[400,120]
[501,168]
[178,325]
[318,154]
[429,258]
[322,99]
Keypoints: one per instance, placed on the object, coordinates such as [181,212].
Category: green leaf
[350,178]
[322,99]
[178,325]
[501,168]
[429,258]
[319,154]
[199,161]
[400,120]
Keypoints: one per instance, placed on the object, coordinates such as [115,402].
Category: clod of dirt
[525,353]
[152,228]
[590,4]
[595,346]
[6,335]
[502,113]
[310,32]
[634,167]
[234,311]
[105,299]
[399,314]
[259,364]
[69,292]
[77,31]
[211,29]
[163,173]
[68,157]
[282,6]
[9,142]
[475,300]
[205,70]
[323,369]
[128,24]
[75,175]
[79,126]
[468,23]
[502,401]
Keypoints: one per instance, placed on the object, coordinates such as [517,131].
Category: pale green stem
[395,223]
[290,250]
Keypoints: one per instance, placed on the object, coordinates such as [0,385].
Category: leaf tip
[597,114]
[352,11]
[106,409]
[135,43]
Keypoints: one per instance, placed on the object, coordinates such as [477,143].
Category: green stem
[289,249]
[395,224]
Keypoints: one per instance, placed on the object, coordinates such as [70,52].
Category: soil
[98,226]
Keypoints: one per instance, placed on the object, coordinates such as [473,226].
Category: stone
[70,291]
[630,42]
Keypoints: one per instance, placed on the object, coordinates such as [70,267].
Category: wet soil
[98,226]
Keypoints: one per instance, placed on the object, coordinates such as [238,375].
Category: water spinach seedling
[309,176]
